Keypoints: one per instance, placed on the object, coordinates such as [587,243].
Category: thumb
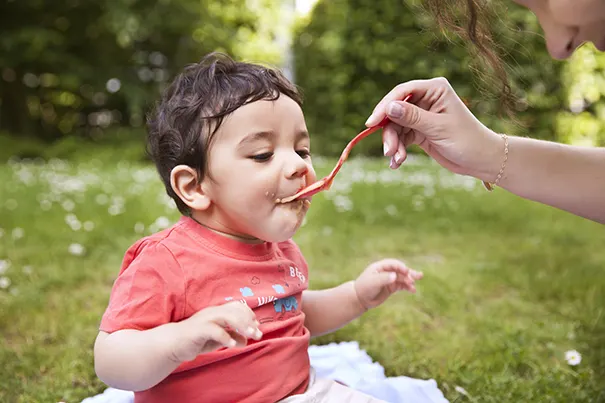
[384,278]
[411,116]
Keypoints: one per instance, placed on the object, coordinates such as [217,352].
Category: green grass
[509,285]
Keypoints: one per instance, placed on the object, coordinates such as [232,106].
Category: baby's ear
[186,184]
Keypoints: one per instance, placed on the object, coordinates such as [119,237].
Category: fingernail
[392,277]
[258,334]
[392,164]
[370,120]
[398,157]
[395,110]
[250,331]
[386,148]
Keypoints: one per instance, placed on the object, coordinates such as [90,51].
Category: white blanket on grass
[344,362]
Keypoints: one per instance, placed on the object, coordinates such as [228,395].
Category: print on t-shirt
[274,299]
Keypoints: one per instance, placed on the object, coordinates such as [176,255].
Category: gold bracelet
[490,186]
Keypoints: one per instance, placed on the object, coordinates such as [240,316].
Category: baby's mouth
[302,199]
[298,203]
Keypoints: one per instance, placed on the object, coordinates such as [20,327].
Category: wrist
[171,339]
[492,159]
[359,301]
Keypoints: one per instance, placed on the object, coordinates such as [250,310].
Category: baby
[216,308]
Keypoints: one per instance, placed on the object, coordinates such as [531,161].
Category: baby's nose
[296,167]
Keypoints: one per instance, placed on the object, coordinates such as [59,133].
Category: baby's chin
[284,225]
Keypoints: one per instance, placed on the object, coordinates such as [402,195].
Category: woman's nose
[560,39]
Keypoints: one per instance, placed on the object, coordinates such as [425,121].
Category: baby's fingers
[245,328]
[239,319]
[392,265]
[405,281]
[221,336]
[401,269]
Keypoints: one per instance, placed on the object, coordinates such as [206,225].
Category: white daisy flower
[68,205]
[45,205]
[76,249]
[461,390]
[162,222]
[18,233]
[5,282]
[11,204]
[102,199]
[391,209]
[573,357]
[115,209]
[4,265]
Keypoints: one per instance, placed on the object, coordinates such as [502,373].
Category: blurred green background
[78,70]
[509,285]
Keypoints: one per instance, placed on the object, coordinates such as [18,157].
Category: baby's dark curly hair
[190,111]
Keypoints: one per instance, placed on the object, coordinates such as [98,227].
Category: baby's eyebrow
[302,135]
[256,136]
[268,135]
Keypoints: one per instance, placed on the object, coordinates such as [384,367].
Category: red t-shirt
[169,276]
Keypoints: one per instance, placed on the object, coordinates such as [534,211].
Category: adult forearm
[328,310]
[135,360]
[567,177]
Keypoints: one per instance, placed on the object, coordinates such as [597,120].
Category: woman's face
[569,23]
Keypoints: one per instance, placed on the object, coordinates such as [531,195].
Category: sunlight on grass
[510,286]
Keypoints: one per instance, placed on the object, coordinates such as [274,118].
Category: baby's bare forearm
[329,310]
[135,360]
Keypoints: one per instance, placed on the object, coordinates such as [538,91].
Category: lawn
[509,285]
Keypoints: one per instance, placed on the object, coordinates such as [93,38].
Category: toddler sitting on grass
[216,308]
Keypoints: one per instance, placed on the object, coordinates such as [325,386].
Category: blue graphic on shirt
[279,289]
[285,304]
[246,292]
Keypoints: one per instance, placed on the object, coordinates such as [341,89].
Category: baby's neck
[238,237]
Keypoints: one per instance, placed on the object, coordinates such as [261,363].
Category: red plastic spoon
[326,183]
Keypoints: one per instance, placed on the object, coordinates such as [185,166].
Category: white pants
[322,390]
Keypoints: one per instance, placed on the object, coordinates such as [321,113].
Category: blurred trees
[584,79]
[78,67]
[349,53]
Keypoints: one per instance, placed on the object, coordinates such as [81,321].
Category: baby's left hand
[383,278]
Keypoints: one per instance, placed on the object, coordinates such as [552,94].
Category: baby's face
[259,154]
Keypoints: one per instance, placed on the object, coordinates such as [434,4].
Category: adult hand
[437,120]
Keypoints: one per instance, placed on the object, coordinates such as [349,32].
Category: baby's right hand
[229,325]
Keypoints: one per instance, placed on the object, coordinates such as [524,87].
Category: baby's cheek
[310,177]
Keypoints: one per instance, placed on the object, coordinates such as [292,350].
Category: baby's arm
[328,310]
[137,360]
